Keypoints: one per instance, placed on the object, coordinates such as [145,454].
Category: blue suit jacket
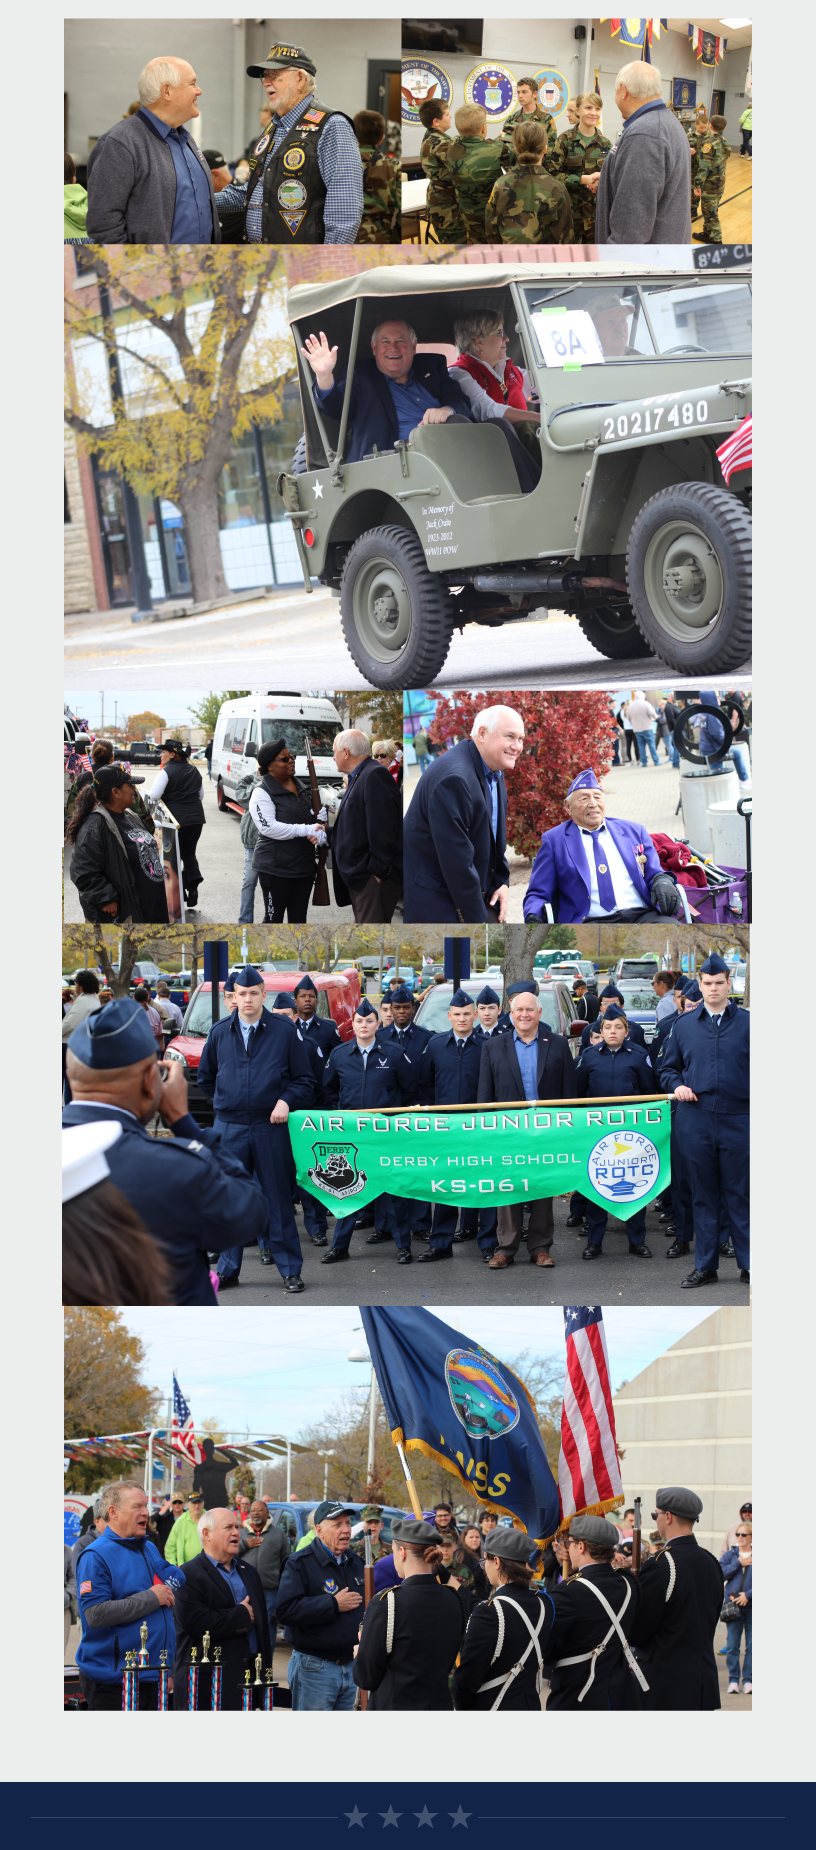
[452,863]
[373,419]
[560,875]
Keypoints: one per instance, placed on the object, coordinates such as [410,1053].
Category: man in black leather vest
[305,182]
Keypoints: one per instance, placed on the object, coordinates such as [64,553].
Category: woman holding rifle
[289,833]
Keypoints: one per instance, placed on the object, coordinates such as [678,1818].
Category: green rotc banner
[614,1151]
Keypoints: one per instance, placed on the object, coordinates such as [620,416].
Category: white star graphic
[390,1817]
[318,488]
[356,1817]
[425,1816]
[460,1817]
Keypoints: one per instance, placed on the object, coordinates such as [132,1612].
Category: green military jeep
[641,374]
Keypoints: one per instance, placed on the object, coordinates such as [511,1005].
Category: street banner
[450,1399]
[614,1151]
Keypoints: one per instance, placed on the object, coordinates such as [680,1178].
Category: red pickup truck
[337,998]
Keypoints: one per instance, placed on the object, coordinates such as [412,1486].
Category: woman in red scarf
[493,385]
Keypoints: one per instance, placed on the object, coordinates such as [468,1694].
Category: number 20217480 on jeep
[639,376]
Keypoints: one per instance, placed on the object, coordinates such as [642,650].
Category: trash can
[699,790]
[727,830]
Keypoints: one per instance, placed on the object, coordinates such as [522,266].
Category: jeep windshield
[593,324]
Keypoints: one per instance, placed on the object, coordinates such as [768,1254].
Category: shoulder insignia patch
[195,1145]
[85,1587]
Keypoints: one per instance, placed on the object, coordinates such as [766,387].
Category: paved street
[298,641]
[371,1274]
[221,859]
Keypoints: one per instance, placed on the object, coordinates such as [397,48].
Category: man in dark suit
[454,835]
[395,391]
[366,840]
[222,1596]
[529,1063]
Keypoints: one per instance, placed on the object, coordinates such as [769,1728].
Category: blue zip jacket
[732,1575]
[245,1089]
[601,1072]
[317,1057]
[306,1602]
[115,1568]
[714,1062]
[450,1076]
[503,1025]
[386,1078]
[413,1044]
[320,1031]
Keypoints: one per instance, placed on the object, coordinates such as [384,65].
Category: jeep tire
[397,615]
[688,568]
[613,633]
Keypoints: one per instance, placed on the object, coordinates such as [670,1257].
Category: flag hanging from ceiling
[638,34]
[710,49]
[183,1435]
[589,1479]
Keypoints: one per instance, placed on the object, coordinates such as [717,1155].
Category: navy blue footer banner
[463,1811]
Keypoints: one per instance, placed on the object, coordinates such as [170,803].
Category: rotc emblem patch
[292,198]
[314,115]
[293,159]
[623,1166]
[479,1395]
[336,1169]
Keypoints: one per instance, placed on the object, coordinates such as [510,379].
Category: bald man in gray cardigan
[644,185]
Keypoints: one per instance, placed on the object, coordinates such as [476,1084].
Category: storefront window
[240,497]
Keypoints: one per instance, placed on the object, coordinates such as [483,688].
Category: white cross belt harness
[592,1656]
[503,1683]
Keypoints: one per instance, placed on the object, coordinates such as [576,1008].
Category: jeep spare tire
[613,633]
[688,568]
[397,616]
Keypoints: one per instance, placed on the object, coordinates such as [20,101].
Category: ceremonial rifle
[320,893]
[368,1595]
[636,1539]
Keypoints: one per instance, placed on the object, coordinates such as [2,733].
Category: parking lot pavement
[464,1279]
[289,633]
[221,859]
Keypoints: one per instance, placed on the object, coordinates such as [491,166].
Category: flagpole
[410,1485]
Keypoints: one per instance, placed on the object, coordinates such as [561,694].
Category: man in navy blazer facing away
[396,390]
[455,864]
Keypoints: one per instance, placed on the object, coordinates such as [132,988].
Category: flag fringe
[449,1464]
[592,1509]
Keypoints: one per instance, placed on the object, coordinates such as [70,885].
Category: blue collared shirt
[246,1028]
[192,213]
[527,1055]
[341,170]
[655,102]
[411,401]
[239,1593]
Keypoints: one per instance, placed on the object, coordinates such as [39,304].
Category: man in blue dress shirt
[148,182]
[305,181]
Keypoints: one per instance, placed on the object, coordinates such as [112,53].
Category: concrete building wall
[79,577]
[686,1419]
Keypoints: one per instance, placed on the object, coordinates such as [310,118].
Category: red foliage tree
[563,734]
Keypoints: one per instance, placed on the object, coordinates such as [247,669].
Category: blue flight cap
[692,993]
[229,988]
[529,987]
[610,990]
[365,1007]
[613,1013]
[284,1000]
[586,780]
[401,994]
[117,1035]
[488,995]
[679,983]
[247,977]
[715,966]
[305,982]
[461,1000]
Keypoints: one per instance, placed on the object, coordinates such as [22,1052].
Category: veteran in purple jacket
[594,868]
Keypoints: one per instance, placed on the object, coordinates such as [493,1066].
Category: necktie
[606,891]
[250,1039]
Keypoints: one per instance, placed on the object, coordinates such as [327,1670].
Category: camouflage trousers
[583,217]
[709,204]
[446,225]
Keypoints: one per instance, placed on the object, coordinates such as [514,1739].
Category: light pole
[362,1355]
[326,1456]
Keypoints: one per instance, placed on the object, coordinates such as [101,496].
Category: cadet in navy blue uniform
[360,1075]
[616,1069]
[607,996]
[312,1026]
[491,1018]
[191,1191]
[705,1063]
[315,1215]
[450,1076]
[678,1194]
[256,1071]
[403,1032]
[578,1202]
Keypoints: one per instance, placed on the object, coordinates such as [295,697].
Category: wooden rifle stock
[636,1539]
[320,892]
[368,1594]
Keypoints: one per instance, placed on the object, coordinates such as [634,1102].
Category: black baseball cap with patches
[213,160]
[282,58]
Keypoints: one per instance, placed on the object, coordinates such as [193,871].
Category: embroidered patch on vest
[314,115]
[292,196]
[263,143]
[293,159]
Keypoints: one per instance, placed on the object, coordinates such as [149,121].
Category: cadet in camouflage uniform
[443,211]
[529,110]
[372,1517]
[527,206]
[381,222]
[709,156]
[581,151]
[474,165]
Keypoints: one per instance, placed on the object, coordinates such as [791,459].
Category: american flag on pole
[589,1479]
[183,1435]
[737,451]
